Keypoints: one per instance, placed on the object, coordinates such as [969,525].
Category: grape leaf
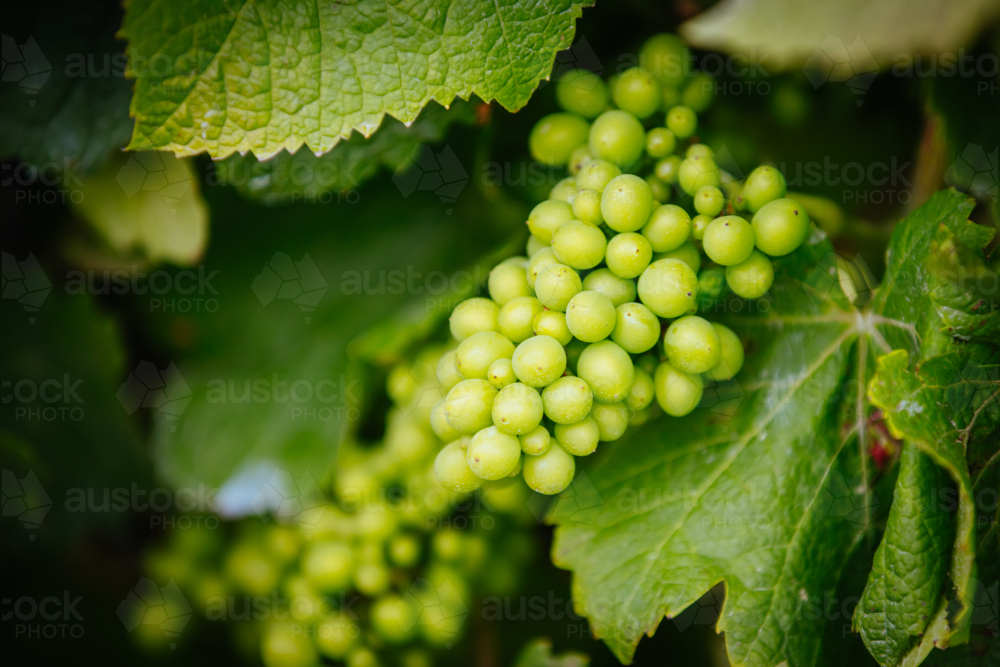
[247,76]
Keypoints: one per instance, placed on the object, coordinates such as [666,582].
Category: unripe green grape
[475,354]
[371,578]
[628,254]
[728,240]
[692,345]
[699,150]
[582,92]
[536,442]
[699,224]
[612,420]
[573,352]
[617,136]
[619,290]
[539,361]
[667,58]
[336,636]
[553,323]
[393,619]
[447,545]
[252,570]
[677,392]
[565,190]
[682,121]
[731,360]
[596,174]
[446,372]
[580,156]
[579,244]
[539,261]
[328,565]
[567,400]
[752,278]
[453,471]
[660,142]
[780,227]
[710,285]
[687,253]
[493,454]
[635,91]
[668,287]
[636,328]
[556,285]
[764,184]
[517,317]
[534,245]
[668,228]
[590,316]
[555,136]
[587,206]
[284,645]
[469,405]
[709,200]
[362,656]
[659,189]
[439,423]
[508,281]
[517,409]
[642,393]
[580,438]
[607,369]
[404,550]
[473,316]
[415,658]
[500,375]
[550,472]
[668,168]
[626,203]
[671,97]
[697,172]
[547,217]
[517,260]
[698,94]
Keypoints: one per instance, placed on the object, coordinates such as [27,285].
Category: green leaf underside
[266,76]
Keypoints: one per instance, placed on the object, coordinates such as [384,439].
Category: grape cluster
[563,354]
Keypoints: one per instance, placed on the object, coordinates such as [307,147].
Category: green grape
[692,345]
[553,323]
[447,544]
[619,290]
[698,94]
[518,260]
[404,550]
[580,156]
[573,352]
[763,185]
[709,200]
[452,470]
[472,316]
[517,409]
[567,400]
[547,217]
[335,637]
[628,254]
[607,368]
[697,172]
[687,253]
[508,281]
[538,261]
[469,405]
[668,168]
[362,656]
[579,244]
[668,228]
[493,454]
[555,136]
[739,201]
[517,317]
[699,224]
[393,619]
[406,436]
[636,92]
[587,206]
[500,375]
[251,570]
[371,578]
[475,354]
[780,227]
[580,438]
[626,203]
[550,472]
[565,190]
[617,136]
[590,316]
[612,420]
[668,287]
[752,278]
[582,92]
[710,285]
[556,285]
[636,328]
[596,174]
[536,442]
[659,189]
[677,392]
[660,142]
[666,58]
[671,98]
[699,150]
[682,121]
[439,423]
[328,565]
[731,360]
[728,240]
[539,361]
[285,645]
[642,393]
[534,245]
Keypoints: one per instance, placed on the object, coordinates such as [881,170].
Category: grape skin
[517,409]
[692,345]
[752,278]
[637,328]
[668,228]
[517,317]
[551,472]
[472,316]
[579,244]
[590,316]
[731,361]
[475,354]
[780,227]
[553,323]
[579,438]
[619,290]
[538,361]
[628,254]
[668,287]
[555,136]
[567,400]
[728,240]
[469,405]
[582,92]
[626,203]
[536,442]
[607,369]
[617,136]
[493,454]
[556,285]
[678,393]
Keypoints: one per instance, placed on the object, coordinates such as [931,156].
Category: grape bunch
[577,337]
